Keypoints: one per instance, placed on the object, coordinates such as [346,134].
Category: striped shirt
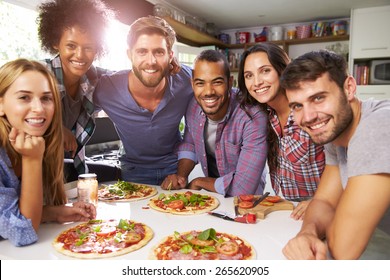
[240,148]
[300,161]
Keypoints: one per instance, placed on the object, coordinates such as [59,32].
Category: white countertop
[268,236]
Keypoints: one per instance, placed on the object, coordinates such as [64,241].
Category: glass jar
[87,188]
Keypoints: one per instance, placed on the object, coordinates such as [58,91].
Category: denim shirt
[13,225]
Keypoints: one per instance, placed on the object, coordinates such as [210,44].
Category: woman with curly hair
[31,154]
[74,32]
[294,162]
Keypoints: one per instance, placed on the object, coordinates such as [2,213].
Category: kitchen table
[268,236]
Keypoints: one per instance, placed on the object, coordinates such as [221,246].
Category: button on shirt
[240,148]
[300,161]
[13,225]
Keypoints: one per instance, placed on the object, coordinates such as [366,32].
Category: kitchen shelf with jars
[192,36]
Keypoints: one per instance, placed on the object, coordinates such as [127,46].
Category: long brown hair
[279,61]
[53,160]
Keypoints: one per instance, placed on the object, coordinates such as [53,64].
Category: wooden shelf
[193,37]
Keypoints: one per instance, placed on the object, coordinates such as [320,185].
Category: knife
[260,199]
[246,219]
[222,216]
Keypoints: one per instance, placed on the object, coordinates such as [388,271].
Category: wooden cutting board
[262,211]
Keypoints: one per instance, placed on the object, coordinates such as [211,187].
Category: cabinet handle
[373,49]
[372,93]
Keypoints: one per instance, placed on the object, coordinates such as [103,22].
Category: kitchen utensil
[261,198]
[245,219]
[262,211]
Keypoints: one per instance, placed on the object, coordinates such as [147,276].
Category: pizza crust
[59,246]
[153,252]
[192,211]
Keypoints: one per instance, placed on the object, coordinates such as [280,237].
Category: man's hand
[70,143]
[305,246]
[174,67]
[174,182]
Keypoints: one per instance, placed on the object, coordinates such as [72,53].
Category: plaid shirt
[300,161]
[85,124]
[240,148]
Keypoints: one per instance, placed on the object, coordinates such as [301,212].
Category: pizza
[125,191]
[184,203]
[103,239]
[203,245]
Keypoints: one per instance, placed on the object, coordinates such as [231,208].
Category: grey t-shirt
[368,152]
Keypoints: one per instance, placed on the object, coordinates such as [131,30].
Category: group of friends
[325,149]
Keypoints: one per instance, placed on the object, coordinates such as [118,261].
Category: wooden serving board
[262,211]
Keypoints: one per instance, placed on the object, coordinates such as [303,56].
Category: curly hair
[55,16]
[53,178]
[279,60]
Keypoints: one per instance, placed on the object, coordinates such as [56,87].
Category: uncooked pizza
[125,191]
[184,203]
[103,239]
[203,245]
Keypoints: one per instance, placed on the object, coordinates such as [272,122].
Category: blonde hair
[53,160]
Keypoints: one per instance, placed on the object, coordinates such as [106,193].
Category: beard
[152,81]
[344,119]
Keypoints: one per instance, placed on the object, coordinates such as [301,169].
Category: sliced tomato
[245,204]
[131,237]
[176,204]
[246,197]
[198,242]
[228,248]
[106,231]
[266,203]
[273,199]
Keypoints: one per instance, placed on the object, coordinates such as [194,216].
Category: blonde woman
[31,154]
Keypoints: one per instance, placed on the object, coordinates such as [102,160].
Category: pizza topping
[183,202]
[123,190]
[266,203]
[205,245]
[245,204]
[227,248]
[246,197]
[176,204]
[273,199]
[131,237]
[101,237]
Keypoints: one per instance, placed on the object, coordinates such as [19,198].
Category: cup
[87,188]
[291,34]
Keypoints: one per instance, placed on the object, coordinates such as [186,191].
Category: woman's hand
[299,211]
[78,212]
[29,147]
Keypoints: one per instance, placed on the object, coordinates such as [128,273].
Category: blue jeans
[146,175]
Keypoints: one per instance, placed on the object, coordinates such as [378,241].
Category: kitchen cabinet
[369,40]
[194,37]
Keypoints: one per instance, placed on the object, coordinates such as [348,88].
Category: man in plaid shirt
[227,140]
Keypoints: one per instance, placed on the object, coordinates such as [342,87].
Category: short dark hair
[310,66]
[55,16]
[214,56]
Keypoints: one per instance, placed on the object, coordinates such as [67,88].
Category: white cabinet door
[373,91]
[370,37]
